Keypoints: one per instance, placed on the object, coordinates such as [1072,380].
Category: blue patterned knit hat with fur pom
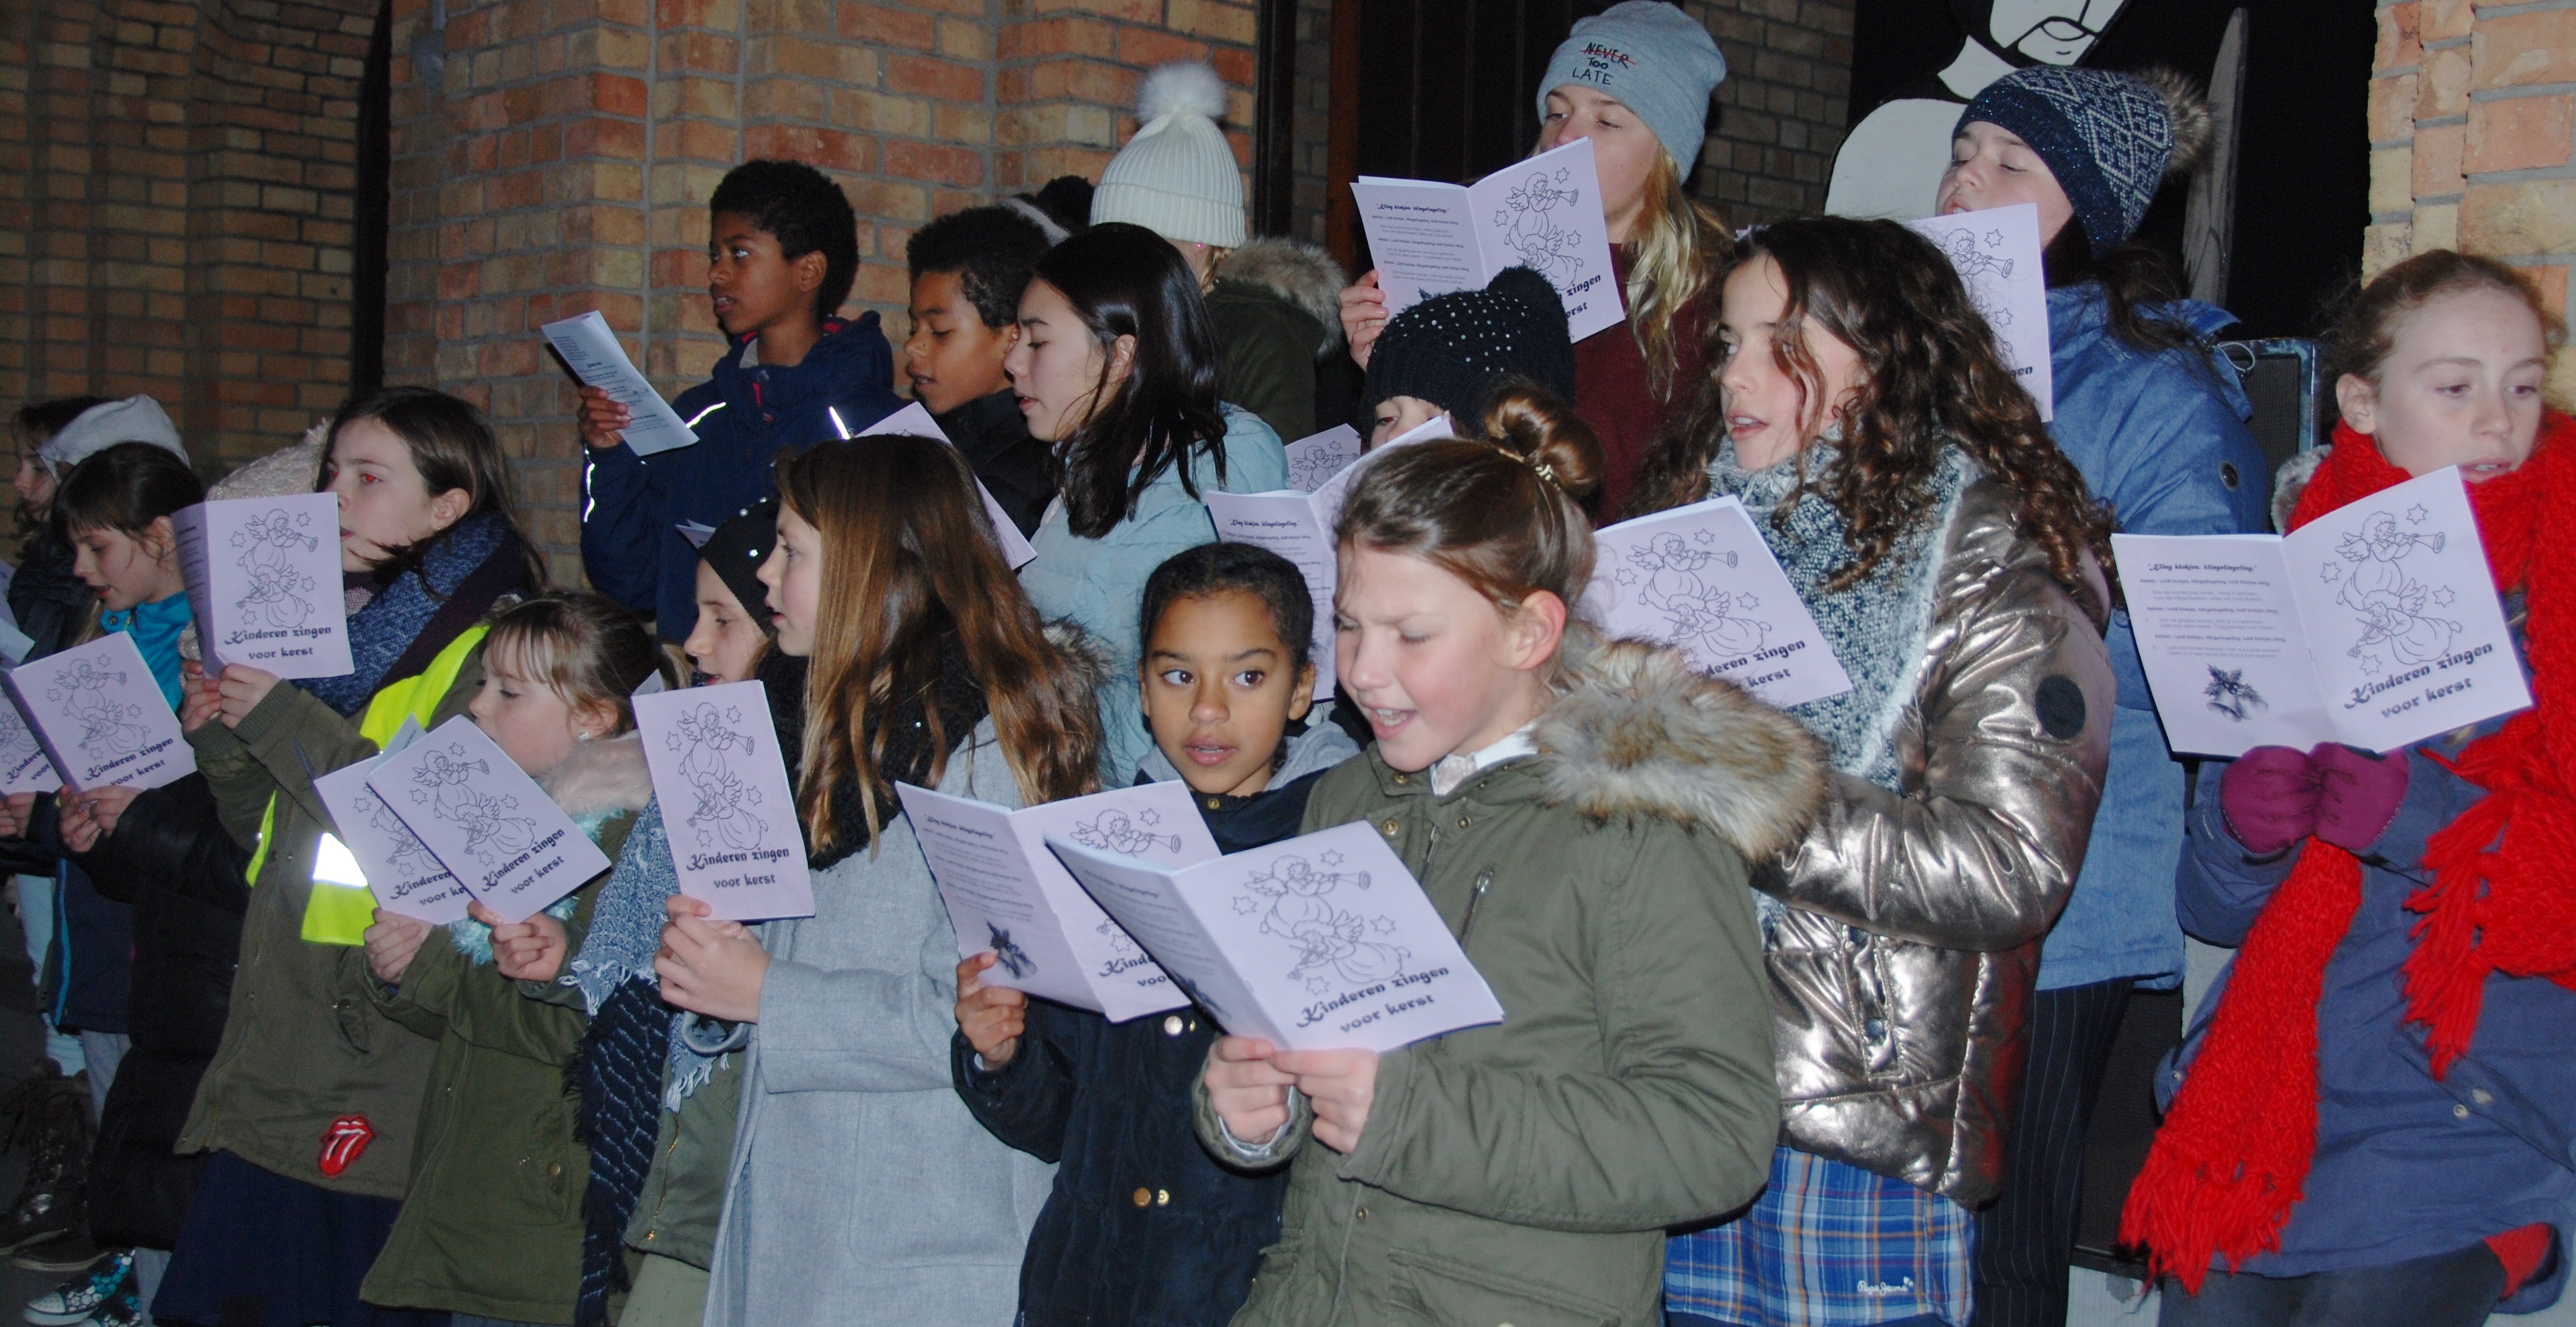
[2107,136]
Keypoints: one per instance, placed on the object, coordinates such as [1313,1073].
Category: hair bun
[1531,423]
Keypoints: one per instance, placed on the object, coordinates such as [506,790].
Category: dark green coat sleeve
[1268,350]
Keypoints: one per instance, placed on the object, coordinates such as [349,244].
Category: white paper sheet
[1700,579]
[1320,942]
[23,766]
[1320,456]
[1996,252]
[486,820]
[1543,213]
[586,343]
[735,840]
[376,851]
[1008,895]
[2376,625]
[915,420]
[100,716]
[264,582]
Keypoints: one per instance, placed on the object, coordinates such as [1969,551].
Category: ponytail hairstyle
[1501,512]
[1681,249]
[909,563]
[2365,328]
[452,448]
[1125,280]
[589,649]
[125,488]
[1931,378]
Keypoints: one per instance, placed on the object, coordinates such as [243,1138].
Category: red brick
[2518,133]
[929,76]
[958,166]
[883,23]
[1149,47]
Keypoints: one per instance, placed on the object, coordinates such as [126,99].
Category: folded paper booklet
[23,766]
[379,849]
[1008,896]
[1320,942]
[591,349]
[1700,579]
[2375,625]
[1544,213]
[915,419]
[725,800]
[1996,252]
[1320,456]
[485,820]
[1298,525]
[100,717]
[264,582]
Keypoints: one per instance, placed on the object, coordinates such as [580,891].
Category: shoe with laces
[122,1309]
[82,1298]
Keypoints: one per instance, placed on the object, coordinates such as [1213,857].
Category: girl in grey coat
[859,1188]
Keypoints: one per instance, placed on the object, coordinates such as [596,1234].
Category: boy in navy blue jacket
[782,252]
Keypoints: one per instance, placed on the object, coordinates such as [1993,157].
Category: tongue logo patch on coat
[344,1142]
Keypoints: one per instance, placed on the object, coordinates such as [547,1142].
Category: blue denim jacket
[2162,438]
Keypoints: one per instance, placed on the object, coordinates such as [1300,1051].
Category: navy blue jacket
[632,505]
[2407,1166]
[1144,1227]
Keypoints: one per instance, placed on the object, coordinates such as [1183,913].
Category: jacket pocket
[357,1022]
[1446,1294]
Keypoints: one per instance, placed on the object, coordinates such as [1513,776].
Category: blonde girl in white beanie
[1636,81]
[1272,301]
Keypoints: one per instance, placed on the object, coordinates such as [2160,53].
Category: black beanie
[1451,349]
[737,549]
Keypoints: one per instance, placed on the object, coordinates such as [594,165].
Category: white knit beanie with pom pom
[1177,177]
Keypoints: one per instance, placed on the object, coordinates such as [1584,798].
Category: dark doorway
[1434,90]
[371,209]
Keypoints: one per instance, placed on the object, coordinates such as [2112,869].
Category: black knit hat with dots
[737,549]
[1451,349]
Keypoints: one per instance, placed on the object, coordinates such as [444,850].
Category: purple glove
[2269,796]
[2357,795]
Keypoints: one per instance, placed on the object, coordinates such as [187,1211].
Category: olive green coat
[492,1226]
[1525,1172]
[1275,308]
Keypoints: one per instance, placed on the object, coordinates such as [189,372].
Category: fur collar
[2291,481]
[1298,272]
[600,777]
[1637,732]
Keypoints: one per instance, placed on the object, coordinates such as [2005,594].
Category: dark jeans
[2025,1238]
[2446,1290]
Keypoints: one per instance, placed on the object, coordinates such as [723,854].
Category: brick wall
[2470,110]
[1781,113]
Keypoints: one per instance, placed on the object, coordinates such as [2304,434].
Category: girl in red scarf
[2377,1118]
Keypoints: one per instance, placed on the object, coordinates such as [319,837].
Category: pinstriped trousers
[2026,1236]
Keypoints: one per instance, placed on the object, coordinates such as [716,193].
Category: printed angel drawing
[1544,246]
[492,833]
[2390,603]
[2231,695]
[1665,574]
[721,813]
[107,725]
[1325,939]
[413,866]
[277,588]
[1112,831]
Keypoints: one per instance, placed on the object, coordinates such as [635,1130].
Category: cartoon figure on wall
[108,727]
[1890,165]
[277,588]
[1544,246]
[2394,608]
[1327,941]
[722,810]
[492,833]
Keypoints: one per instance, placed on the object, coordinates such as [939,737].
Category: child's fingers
[681,905]
[1241,1048]
[480,913]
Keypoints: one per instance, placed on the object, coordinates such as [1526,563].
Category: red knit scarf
[2232,1157]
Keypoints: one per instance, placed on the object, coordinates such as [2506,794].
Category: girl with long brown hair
[860,1190]
[1858,407]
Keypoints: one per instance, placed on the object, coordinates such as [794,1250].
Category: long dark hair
[1931,376]
[1124,280]
[125,488]
[452,448]
[2133,278]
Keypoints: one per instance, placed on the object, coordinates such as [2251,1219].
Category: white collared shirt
[1452,770]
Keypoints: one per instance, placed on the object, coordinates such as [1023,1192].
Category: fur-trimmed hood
[601,777]
[1298,272]
[1638,732]
[2291,480]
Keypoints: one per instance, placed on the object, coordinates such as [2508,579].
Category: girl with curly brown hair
[1858,407]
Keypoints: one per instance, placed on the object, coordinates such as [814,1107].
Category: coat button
[1462,822]
[1402,779]
[1171,1025]
[554,1170]
[1162,1197]
[2459,1112]
[1142,1197]
[1391,828]
[1360,1215]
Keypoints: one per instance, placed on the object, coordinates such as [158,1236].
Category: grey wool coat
[861,1191]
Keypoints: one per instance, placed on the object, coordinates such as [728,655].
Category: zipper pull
[1475,900]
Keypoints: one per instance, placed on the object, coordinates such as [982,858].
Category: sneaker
[122,1309]
[71,1251]
[52,1202]
[80,1298]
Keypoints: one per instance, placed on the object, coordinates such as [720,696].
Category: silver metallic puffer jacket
[1902,976]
